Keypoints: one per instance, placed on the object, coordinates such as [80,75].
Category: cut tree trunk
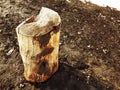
[38,39]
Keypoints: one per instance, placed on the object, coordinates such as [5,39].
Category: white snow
[104,3]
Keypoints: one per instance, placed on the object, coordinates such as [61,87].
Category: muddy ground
[89,46]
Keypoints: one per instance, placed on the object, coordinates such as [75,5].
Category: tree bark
[38,39]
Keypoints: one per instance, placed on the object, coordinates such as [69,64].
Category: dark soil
[89,47]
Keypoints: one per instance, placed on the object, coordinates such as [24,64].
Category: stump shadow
[67,79]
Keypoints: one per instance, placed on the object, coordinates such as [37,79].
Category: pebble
[79,32]
[97,48]
[60,43]
[77,20]
[65,36]
[105,51]
[88,46]
[68,1]
[88,79]
[0,30]
[10,51]
[21,85]
[118,21]
[104,25]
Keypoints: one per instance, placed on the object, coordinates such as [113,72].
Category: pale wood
[38,39]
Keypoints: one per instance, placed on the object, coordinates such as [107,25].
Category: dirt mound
[89,48]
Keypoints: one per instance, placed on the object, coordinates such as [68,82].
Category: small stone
[68,1]
[21,85]
[71,41]
[97,48]
[91,54]
[0,30]
[79,32]
[60,43]
[77,20]
[105,51]
[112,18]
[10,51]
[65,36]
[88,46]
[104,25]
[88,79]
[118,20]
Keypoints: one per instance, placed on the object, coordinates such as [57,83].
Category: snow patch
[104,3]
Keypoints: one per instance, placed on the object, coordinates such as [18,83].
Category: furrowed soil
[89,57]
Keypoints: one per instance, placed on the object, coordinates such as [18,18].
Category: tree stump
[38,39]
